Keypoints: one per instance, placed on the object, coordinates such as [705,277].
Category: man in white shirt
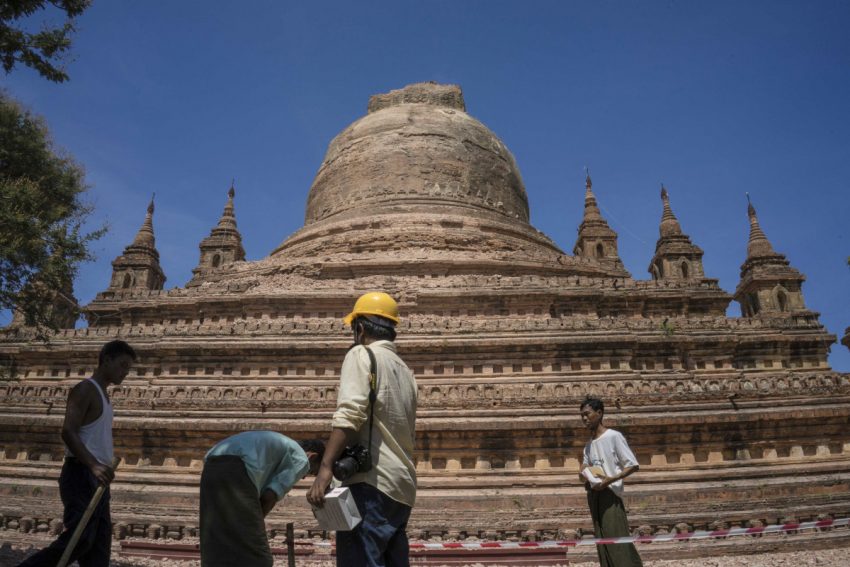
[385,492]
[607,461]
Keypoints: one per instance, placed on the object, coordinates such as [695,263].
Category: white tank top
[97,435]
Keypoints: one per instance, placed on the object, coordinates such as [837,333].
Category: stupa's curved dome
[417,149]
[419,181]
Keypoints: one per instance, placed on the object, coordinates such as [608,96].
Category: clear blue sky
[713,98]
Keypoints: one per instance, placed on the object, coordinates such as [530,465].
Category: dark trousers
[77,485]
[609,520]
[233,529]
[380,539]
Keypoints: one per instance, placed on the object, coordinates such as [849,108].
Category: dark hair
[115,348]
[594,403]
[313,446]
[374,330]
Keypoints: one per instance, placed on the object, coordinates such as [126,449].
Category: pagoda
[735,420]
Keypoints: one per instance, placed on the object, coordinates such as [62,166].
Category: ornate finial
[591,209]
[593,231]
[145,235]
[751,210]
[228,220]
[224,244]
[758,244]
[754,221]
[669,223]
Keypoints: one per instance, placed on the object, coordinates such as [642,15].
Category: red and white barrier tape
[777,528]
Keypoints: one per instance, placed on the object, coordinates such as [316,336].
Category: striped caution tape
[687,536]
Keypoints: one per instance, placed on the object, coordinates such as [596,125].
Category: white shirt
[394,420]
[612,453]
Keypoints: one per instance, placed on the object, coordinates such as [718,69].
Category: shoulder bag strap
[373,394]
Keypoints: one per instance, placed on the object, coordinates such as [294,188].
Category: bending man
[244,477]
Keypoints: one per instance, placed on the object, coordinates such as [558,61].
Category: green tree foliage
[41,217]
[43,50]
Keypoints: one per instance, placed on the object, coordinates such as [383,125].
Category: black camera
[354,459]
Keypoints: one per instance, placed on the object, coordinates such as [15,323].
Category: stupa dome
[418,180]
[417,150]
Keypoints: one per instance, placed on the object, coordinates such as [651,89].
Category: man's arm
[267,501]
[79,402]
[609,480]
[338,441]
[349,417]
[585,462]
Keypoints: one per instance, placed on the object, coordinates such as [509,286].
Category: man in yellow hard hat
[371,444]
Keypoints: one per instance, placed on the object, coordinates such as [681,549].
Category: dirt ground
[11,554]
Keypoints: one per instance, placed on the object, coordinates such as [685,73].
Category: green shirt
[272,461]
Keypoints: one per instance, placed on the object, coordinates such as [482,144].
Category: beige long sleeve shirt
[394,421]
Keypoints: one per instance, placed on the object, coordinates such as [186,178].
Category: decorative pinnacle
[751,213]
[145,235]
[228,219]
[758,244]
[591,209]
[669,223]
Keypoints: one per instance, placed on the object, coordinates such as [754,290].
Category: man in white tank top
[87,434]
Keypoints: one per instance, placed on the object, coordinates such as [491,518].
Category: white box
[339,512]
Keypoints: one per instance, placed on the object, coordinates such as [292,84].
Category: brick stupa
[734,419]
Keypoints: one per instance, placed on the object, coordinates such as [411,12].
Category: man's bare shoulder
[84,402]
[82,391]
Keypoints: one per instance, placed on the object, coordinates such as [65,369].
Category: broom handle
[78,532]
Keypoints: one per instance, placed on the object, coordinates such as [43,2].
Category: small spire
[768,284]
[596,240]
[758,244]
[228,219]
[145,235]
[224,244]
[591,209]
[138,266]
[669,223]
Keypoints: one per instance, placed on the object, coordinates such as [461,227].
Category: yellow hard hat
[374,303]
